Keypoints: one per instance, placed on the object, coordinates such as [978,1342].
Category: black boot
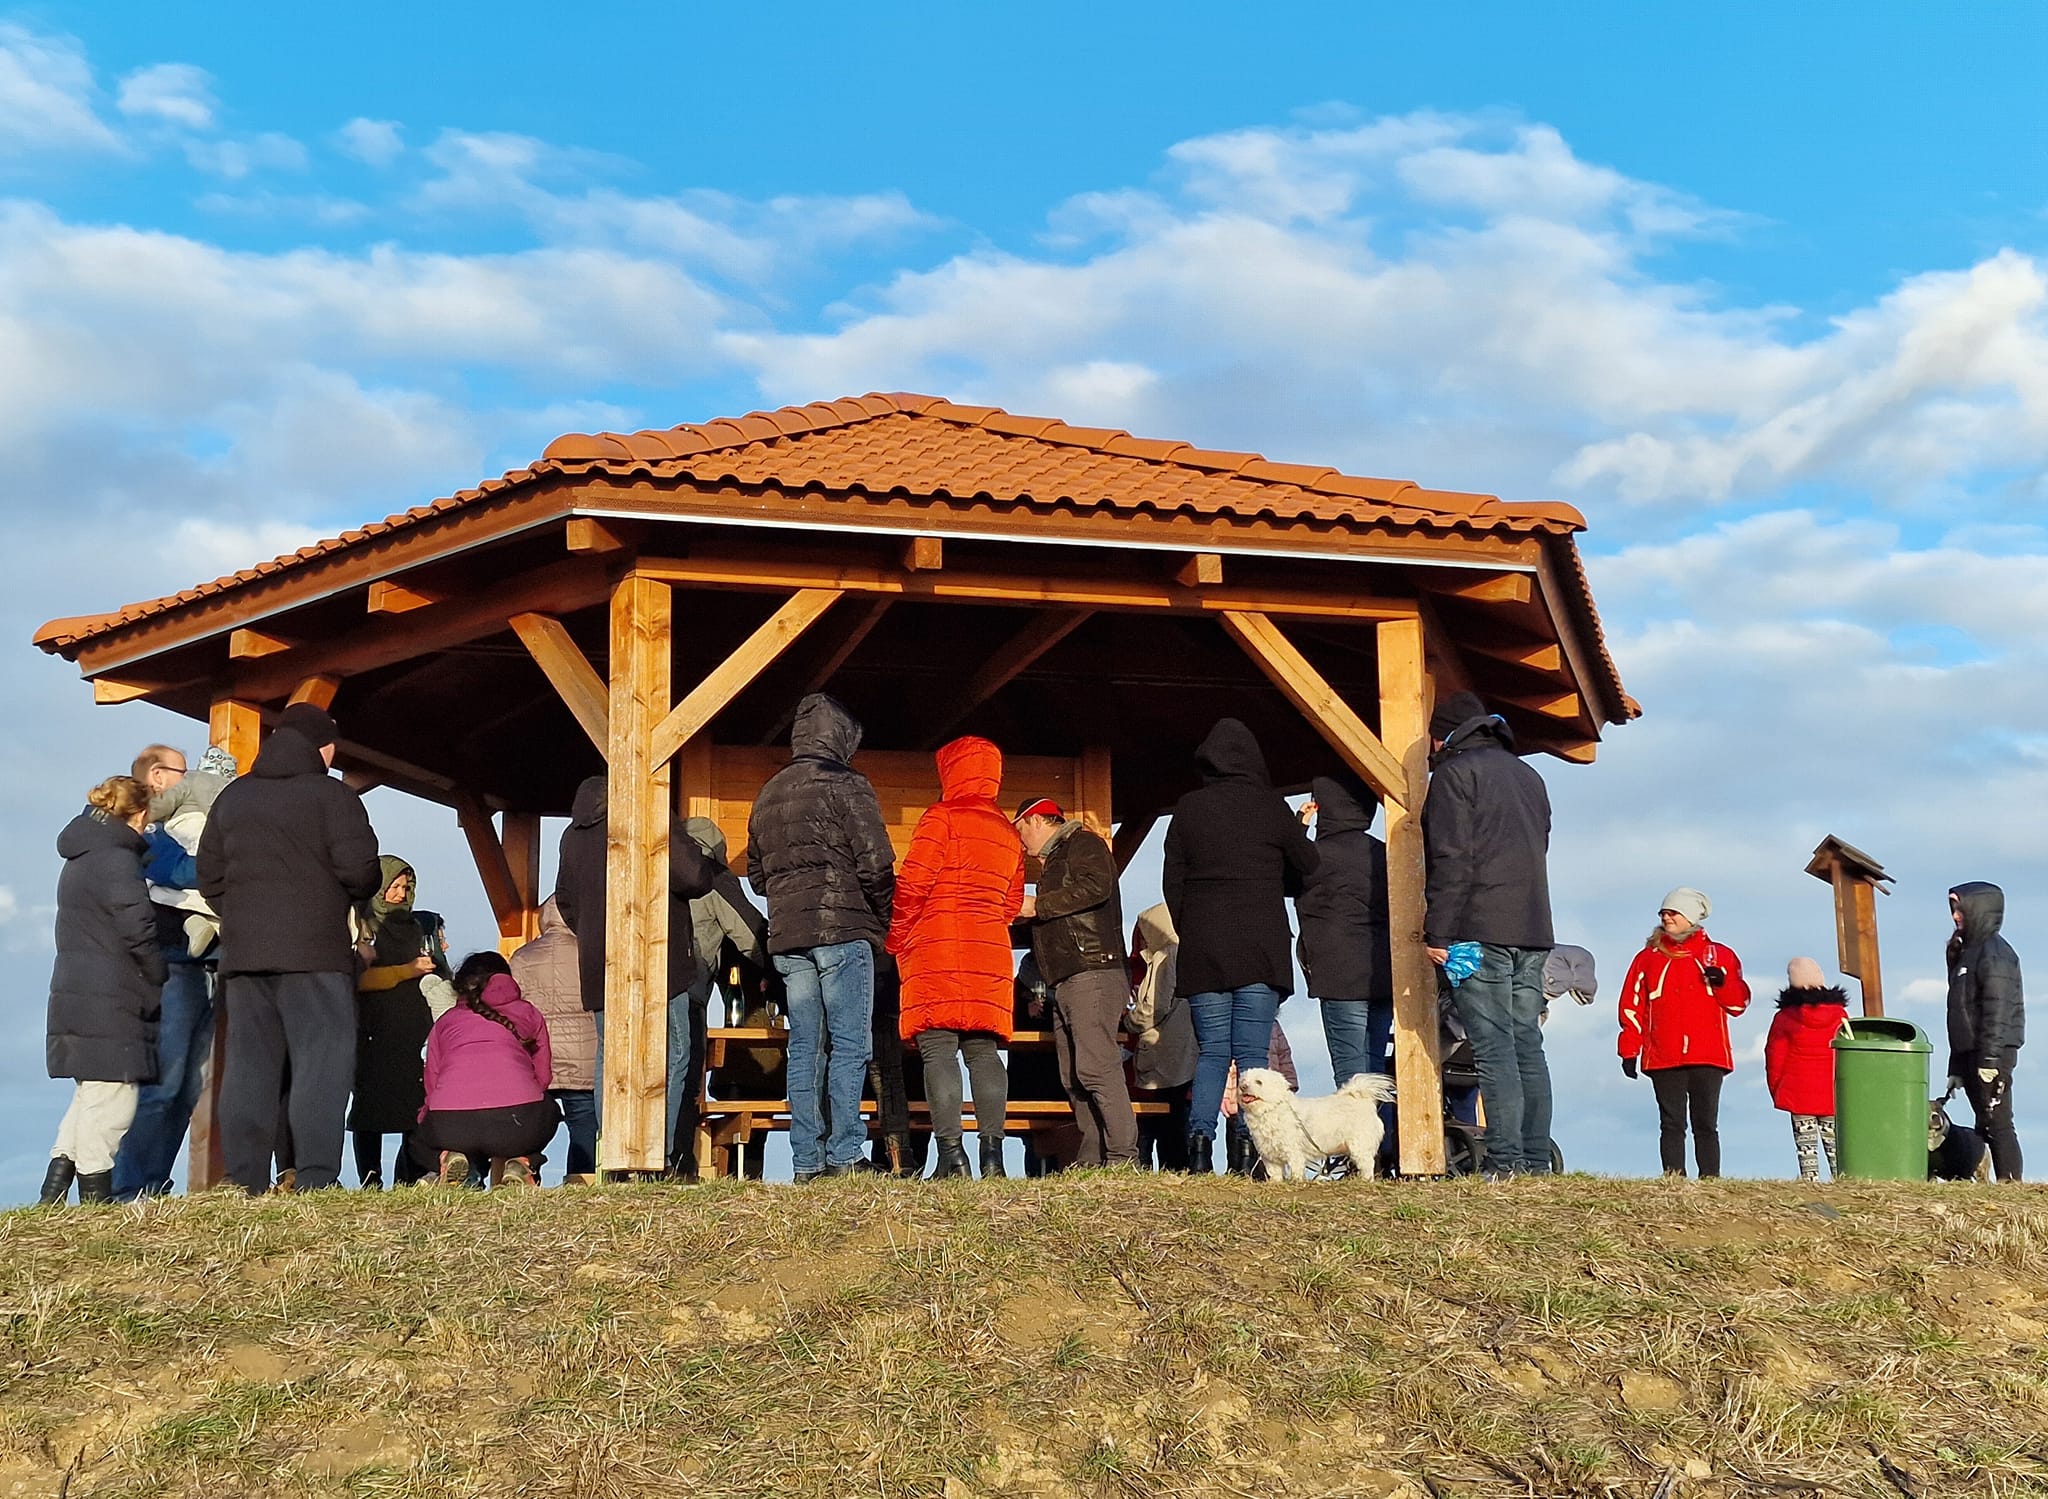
[952,1161]
[95,1186]
[57,1181]
[1236,1149]
[991,1157]
[1201,1154]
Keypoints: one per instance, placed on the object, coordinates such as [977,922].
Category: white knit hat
[1692,904]
[1804,973]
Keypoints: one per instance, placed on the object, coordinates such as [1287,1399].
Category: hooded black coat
[817,847]
[1234,853]
[1986,1014]
[582,879]
[106,989]
[1346,947]
[287,850]
[1486,833]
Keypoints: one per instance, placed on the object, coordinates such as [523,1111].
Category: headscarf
[389,868]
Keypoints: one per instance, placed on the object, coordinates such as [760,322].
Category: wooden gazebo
[1090,600]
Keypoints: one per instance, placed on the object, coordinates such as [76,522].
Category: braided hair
[477,970]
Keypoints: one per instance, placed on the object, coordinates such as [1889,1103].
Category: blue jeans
[1232,1025]
[164,1109]
[1501,1005]
[686,1039]
[579,1116]
[831,998]
[1358,1031]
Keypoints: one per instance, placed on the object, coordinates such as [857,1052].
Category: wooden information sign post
[1856,879]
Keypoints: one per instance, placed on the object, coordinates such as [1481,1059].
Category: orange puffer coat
[957,891]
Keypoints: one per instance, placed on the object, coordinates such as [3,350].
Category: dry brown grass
[1109,1335]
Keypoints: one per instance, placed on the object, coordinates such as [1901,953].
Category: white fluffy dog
[1290,1132]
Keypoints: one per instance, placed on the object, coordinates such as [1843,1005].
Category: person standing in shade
[1234,854]
[819,851]
[545,970]
[396,947]
[1075,916]
[961,885]
[723,917]
[1675,1005]
[105,988]
[1486,838]
[287,850]
[1346,948]
[1987,1020]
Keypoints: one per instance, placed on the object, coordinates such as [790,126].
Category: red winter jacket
[959,888]
[1799,1055]
[1669,1017]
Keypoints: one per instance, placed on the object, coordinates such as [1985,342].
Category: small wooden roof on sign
[1833,853]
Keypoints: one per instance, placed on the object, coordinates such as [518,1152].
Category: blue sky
[1759,288]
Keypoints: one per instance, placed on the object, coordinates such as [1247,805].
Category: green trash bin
[1881,1099]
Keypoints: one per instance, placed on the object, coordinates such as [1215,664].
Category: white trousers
[94,1125]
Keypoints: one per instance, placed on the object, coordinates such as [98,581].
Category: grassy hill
[1108,1335]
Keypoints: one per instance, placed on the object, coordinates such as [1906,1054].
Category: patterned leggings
[1811,1134]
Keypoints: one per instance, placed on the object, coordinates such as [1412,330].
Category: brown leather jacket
[1079,925]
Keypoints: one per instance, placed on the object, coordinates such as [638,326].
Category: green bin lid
[1880,1033]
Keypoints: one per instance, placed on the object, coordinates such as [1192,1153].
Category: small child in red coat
[1799,1061]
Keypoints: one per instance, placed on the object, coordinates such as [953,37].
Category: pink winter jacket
[473,1062]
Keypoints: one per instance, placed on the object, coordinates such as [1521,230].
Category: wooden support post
[319,691]
[1868,972]
[519,835]
[237,728]
[569,671]
[1319,703]
[731,676]
[493,867]
[1418,1068]
[693,779]
[1011,660]
[635,1021]
[1092,783]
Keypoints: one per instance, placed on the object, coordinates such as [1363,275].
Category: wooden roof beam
[1320,703]
[1564,706]
[1202,570]
[1011,660]
[568,670]
[387,597]
[501,888]
[730,677]
[924,554]
[109,690]
[1547,659]
[320,691]
[587,533]
[1502,588]
[251,645]
[842,651]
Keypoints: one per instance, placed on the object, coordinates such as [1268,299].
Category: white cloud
[376,143]
[236,159]
[175,93]
[47,96]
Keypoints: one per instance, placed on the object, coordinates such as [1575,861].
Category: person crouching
[489,1067]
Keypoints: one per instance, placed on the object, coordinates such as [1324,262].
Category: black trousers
[1694,1091]
[486,1134]
[370,1159]
[1992,1104]
[304,1025]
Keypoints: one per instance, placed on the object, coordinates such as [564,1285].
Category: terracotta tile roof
[922,445]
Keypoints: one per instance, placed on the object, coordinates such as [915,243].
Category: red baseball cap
[1039,806]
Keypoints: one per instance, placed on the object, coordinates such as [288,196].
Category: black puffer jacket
[1234,853]
[1079,923]
[287,850]
[817,847]
[107,987]
[1486,830]
[1346,952]
[1987,1019]
[581,880]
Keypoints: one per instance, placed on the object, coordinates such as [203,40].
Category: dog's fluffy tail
[1376,1086]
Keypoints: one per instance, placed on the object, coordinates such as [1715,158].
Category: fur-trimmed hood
[1793,999]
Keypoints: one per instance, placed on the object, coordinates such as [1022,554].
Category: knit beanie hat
[1804,973]
[1458,708]
[310,724]
[1692,904]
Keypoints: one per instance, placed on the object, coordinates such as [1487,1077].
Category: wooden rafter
[1130,836]
[1501,588]
[820,675]
[1320,703]
[501,888]
[730,677]
[1534,656]
[387,597]
[569,671]
[1011,660]
[320,691]
[109,690]
[1202,570]
[251,645]
[586,533]
[924,554]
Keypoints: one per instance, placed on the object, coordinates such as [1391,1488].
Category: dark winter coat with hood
[106,989]
[1346,950]
[1486,831]
[1986,1017]
[581,880]
[287,850]
[817,847]
[1234,853]
[1799,1053]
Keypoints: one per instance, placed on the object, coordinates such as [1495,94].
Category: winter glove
[1955,1085]
[1629,1067]
[1716,975]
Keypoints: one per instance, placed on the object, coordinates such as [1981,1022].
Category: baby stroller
[1567,973]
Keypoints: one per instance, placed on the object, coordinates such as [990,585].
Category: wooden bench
[726,1123]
